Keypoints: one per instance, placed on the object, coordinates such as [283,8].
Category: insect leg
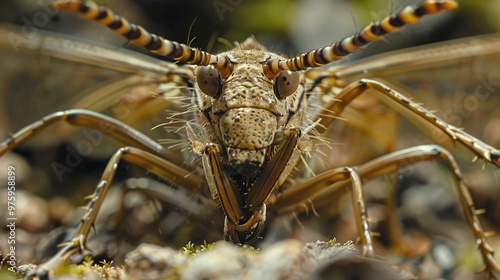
[323,187]
[360,212]
[351,177]
[149,161]
[79,117]
[352,91]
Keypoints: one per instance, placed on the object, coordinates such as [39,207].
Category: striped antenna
[140,37]
[370,33]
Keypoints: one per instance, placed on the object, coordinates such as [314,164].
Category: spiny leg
[168,167]
[161,167]
[358,201]
[103,125]
[335,107]
[349,93]
[323,187]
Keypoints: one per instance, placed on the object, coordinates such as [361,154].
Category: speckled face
[248,115]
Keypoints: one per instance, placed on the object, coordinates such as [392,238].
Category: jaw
[244,198]
[244,233]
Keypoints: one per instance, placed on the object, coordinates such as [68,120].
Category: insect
[250,126]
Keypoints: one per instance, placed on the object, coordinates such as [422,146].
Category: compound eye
[286,83]
[209,80]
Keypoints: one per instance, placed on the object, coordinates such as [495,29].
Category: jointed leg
[292,200]
[348,94]
[360,213]
[323,187]
[104,124]
[149,161]
[155,158]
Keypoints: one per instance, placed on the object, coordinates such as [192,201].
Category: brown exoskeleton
[251,125]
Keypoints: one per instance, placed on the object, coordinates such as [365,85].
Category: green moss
[7,275]
[332,242]
[191,249]
[74,269]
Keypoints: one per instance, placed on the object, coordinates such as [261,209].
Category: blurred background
[31,87]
